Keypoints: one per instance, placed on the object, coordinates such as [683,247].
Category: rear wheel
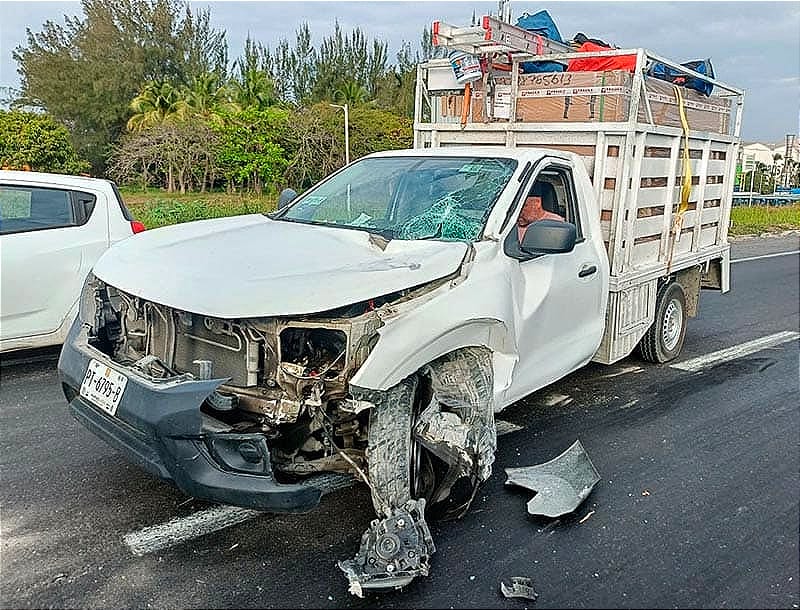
[663,341]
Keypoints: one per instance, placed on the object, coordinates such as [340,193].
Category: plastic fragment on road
[520,587]
[394,550]
[560,484]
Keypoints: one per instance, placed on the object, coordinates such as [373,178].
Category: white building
[757,153]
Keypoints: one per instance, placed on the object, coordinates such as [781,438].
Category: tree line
[147,95]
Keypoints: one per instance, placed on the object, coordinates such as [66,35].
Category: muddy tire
[663,341]
[389,453]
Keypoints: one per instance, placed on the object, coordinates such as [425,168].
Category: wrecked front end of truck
[274,358]
[260,413]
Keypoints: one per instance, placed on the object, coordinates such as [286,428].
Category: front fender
[401,351]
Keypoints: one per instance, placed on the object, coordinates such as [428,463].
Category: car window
[446,198]
[32,208]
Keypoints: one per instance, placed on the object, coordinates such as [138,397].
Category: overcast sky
[753,45]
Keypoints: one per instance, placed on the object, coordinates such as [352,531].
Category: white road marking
[623,371]
[181,529]
[556,399]
[756,258]
[178,530]
[505,427]
[737,351]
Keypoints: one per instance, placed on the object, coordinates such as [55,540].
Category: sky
[752,45]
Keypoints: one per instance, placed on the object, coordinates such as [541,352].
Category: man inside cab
[533,209]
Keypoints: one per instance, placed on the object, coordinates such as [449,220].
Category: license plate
[103,386]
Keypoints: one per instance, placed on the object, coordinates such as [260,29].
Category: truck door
[560,299]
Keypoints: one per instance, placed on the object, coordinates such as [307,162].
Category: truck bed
[635,163]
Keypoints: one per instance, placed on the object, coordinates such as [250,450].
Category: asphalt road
[697,506]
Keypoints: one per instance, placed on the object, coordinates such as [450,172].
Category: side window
[24,208]
[551,196]
[84,206]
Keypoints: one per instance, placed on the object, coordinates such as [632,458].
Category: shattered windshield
[447,198]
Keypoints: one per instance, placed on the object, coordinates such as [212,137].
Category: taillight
[136,226]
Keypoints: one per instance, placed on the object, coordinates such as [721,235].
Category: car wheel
[391,451]
[663,341]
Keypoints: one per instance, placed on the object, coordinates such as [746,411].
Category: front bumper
[159,426]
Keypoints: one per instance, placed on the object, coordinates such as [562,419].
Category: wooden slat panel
[655,167]
[710,215]
[648,226]
[646,198]
[605,227]
[713,191]
[708,237]
[646,253]
[717,167]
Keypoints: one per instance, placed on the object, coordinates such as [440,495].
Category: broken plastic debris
[560,484]
[394,550]
[520,587]
[586,517]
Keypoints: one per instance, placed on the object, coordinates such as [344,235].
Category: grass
[157,208]
[748,220]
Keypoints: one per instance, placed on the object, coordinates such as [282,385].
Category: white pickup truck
[375,324]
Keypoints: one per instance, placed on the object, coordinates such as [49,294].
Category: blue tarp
[703,66]
[541,23]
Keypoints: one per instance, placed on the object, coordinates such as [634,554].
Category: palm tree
[207,96]
[255,89]
[158,103]
[352,93]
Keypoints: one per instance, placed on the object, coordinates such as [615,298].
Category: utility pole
[788,158]
[346,133]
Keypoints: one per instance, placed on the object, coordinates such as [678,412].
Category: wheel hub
[673,322]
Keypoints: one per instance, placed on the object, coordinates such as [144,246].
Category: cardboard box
[553,97]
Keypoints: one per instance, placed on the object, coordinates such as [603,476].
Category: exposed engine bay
[431,438]
[287,379]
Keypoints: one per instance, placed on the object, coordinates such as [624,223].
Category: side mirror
[549,237]
[286,197]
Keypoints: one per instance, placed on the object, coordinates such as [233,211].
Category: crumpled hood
[252,266]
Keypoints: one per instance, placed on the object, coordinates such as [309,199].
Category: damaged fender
[457,426]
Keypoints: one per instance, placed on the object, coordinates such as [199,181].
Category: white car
[53,228]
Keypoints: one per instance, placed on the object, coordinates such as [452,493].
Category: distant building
[756,152]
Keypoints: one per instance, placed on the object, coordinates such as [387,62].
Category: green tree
[86,71]
[208,96]
[315,144]
[250,155]
[177,155]
[350,92]
[348,57]
[37,142]
[158,103]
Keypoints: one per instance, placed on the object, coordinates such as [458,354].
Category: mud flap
[560,484]
[394,550]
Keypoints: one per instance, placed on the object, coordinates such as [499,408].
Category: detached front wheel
[663,341]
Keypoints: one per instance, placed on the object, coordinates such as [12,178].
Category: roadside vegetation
[749,220]
[143,92]
[156,208]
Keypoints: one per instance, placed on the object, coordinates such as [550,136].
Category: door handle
[587,270]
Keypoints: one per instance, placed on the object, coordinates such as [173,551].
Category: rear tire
[663,341]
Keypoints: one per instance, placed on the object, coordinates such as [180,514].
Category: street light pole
[346,132]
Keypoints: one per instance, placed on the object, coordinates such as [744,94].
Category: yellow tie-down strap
[686,184]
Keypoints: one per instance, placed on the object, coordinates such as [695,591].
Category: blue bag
[703,66]
[540,23]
